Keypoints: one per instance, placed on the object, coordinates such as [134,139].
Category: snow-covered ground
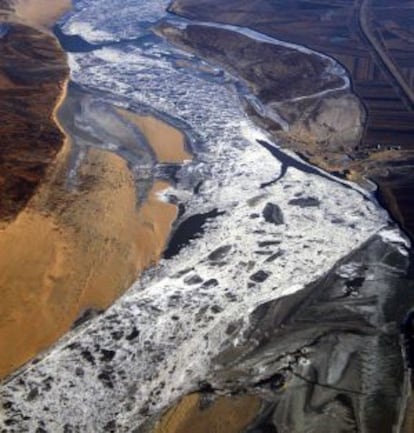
[158,340]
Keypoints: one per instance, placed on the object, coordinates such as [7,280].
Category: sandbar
[167,142]
[223,415]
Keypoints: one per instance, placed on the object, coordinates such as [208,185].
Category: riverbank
[69,251]
[90,245]
[33,74]
[201,414]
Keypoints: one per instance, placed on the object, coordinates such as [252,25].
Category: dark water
[73,43]
[287,161]
[189,229]
[4,29]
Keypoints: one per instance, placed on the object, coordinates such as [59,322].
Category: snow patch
[88,32]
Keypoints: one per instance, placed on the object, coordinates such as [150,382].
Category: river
[165,335]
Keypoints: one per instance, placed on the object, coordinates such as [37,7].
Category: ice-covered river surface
[167,333]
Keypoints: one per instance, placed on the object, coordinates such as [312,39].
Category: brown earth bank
[268,69]
[33,71]
[378,62]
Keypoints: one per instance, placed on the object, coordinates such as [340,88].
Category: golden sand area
[69,251]
[72,251]
[224,415]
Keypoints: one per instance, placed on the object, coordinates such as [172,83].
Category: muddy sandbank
[168,142]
